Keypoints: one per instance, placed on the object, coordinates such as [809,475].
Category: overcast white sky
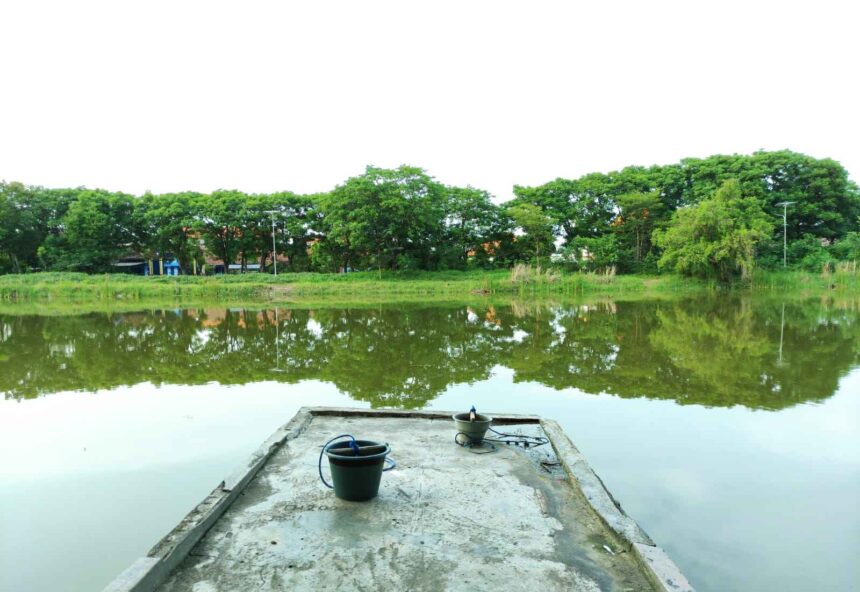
[265,96]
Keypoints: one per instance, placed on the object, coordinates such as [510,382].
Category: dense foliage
[635,220]
[716,237]
[631,204]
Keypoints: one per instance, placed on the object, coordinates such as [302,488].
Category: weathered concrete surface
[445,519]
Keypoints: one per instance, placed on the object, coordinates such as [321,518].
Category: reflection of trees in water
[708,351]
[725,354]
[718,352]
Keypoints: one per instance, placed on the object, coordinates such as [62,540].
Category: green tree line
[712,217]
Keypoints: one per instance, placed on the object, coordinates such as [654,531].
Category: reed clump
[522,274]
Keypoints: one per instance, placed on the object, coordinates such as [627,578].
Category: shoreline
[120,291]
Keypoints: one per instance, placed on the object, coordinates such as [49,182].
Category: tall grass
[528,281]
[843,277]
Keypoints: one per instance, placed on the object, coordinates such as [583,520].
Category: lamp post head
[785,204]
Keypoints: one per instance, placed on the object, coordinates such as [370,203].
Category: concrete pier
[445,519]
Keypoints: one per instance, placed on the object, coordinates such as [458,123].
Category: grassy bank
[844,281]
[122,290]
[286,287]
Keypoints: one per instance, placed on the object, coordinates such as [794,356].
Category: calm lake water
[728,427]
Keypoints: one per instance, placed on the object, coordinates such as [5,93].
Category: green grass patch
[125,292]
[112,287]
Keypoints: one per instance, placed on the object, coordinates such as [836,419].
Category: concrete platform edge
[661,570]
[501,418]
[147,573]
[132,577]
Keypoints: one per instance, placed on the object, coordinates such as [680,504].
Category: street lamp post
[274,247]
[784,205]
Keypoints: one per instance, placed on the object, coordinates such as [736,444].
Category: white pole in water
[784,205]
[278,341]
[274,248]
[781,332]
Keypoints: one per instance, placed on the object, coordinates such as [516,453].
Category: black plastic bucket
[356,477]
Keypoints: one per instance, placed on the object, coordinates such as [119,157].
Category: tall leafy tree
[827,203]
[14,225]
[167,222]
[581,207]
[257,229]
[29,215]
[54,206]
[471,221]
[384,217]
[536,225]
[221,218]
[847,248]
[98,229]
[717,237]
[640,213]
[297,222]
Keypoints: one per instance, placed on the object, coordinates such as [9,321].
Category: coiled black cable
[523,440]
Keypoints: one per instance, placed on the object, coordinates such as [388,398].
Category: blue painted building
[138,265]
[171,267]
